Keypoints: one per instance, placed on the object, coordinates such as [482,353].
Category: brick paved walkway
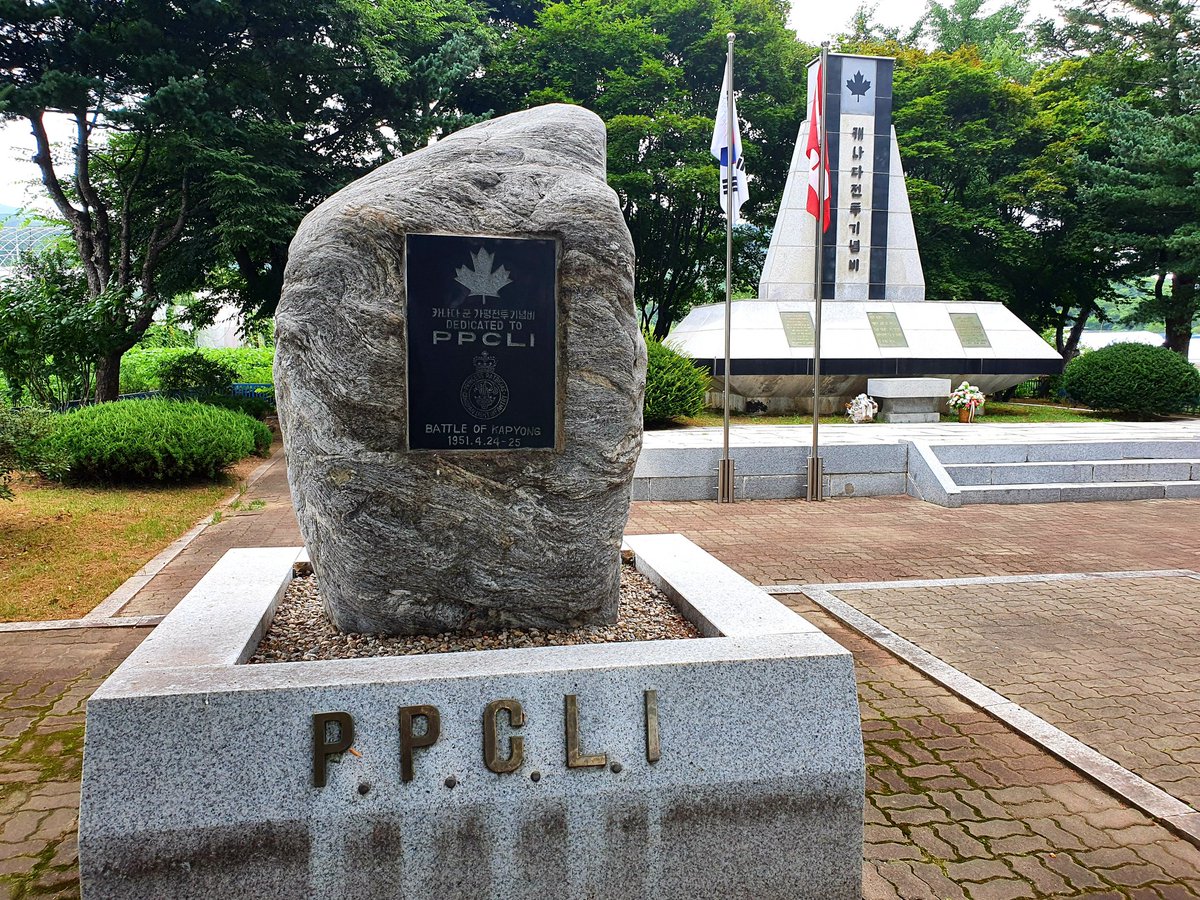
[45,679]
[958,806]
[270,525]
[1113,662]
[886,538]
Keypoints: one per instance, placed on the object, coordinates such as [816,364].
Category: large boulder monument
[460,376]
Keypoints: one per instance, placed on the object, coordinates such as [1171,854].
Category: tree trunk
[108,376]
[1180,313]
[1071,346]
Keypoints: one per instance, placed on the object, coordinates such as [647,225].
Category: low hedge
[154,440]
[675,387]
[1133,378]
[142,369]
[198,373]
[257,407]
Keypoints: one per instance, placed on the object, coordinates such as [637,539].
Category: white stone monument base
[771,349]
[909,399]
[725,766]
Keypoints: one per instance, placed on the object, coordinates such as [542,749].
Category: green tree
[966,134]
[864,31]
[1000,36]
[50,327]
[203,131]
[652,70]
[1065,278]
[1145,55]
[1147,194]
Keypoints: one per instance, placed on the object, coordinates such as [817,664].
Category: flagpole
[816,468]
[725,469]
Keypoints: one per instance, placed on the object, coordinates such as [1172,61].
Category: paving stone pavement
[272,524]
[886,538]
[45,680]
[1114,662]
[958,806]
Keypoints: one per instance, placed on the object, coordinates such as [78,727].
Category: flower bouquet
[861,409]
[966,398]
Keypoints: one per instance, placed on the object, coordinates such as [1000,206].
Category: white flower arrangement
[966,396]
[861,409]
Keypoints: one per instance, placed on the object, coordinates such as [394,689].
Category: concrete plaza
[959,804]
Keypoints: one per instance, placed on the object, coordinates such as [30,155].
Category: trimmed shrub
[154,440]
[22,448]
[196,373]
[141,367]
[1133,378]
[674,385]
[255,407]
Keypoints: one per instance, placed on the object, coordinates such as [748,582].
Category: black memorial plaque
[482,348]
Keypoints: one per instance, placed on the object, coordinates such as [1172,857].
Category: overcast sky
[814,21]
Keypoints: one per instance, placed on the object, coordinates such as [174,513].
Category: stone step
[1084,471]
[1075,492]
[1066,451]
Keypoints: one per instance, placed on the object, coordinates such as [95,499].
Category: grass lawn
[993,412]
[1029,411]
[64,549]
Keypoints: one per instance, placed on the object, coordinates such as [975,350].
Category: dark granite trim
[883,114]
[884,71]
[833,151]
[900,367]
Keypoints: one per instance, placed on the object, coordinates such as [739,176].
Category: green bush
[258,407]
[253,365]
[1133,378]
[674,385]
[154,440]
[196,373]
[22,448]
[141,368]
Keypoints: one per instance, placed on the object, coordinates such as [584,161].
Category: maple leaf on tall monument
[858,85]
[481,281]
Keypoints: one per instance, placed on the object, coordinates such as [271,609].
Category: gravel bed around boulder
[301,632]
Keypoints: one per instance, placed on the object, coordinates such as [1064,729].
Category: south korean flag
[720,149]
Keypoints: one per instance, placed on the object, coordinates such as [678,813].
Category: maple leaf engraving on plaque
[480,280]
[858,86]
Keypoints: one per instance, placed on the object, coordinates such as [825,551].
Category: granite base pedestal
[730,765]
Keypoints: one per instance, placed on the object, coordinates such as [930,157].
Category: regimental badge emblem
[481,280]
[484,394]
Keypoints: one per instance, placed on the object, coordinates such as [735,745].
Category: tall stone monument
[876,321]
[460,376]
[870,247]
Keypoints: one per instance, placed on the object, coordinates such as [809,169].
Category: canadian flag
[816,153]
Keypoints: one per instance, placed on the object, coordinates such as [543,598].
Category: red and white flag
[816,153]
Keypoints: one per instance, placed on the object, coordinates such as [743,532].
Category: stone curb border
[105,613]
[67,624]
[1169,811]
